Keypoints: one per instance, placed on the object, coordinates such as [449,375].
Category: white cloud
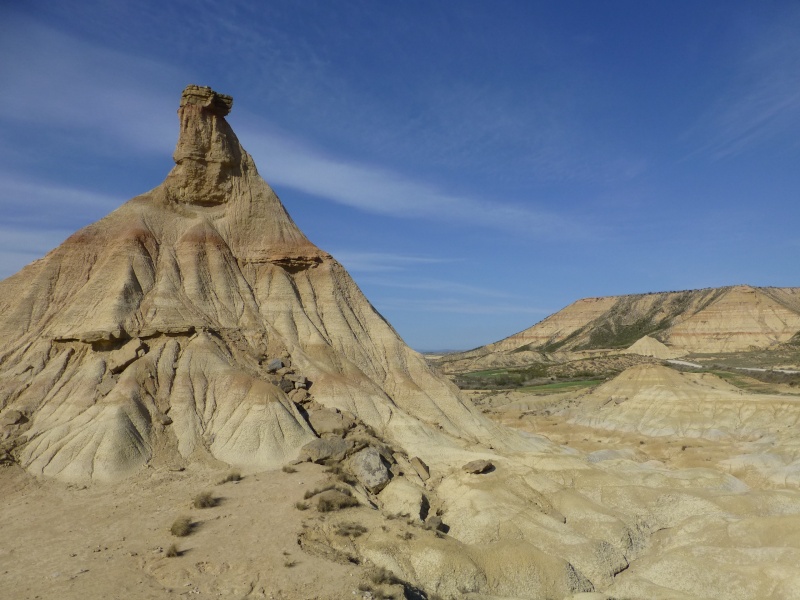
[56,80]
[286,161]
[19,247]
[457,305]
[370,262]
[763,99]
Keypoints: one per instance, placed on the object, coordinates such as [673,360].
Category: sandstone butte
[195,329]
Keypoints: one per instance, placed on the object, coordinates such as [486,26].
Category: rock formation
[725,319]
[146,337]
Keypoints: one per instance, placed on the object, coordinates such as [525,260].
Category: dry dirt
[109,540]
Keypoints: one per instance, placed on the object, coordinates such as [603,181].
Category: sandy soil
[109,541]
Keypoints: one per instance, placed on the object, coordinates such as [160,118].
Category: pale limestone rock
[324,449]
[421,468]
[401,497]
[369,469]
[477,467]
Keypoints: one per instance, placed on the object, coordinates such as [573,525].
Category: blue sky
[475,165]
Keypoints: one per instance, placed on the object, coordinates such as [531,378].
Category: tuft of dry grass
[331,486]
[182,527]
[351,530]
[301,505]
[232,476]
[288,469]
[335,500]
[172,551]
[204,500]
[289,563]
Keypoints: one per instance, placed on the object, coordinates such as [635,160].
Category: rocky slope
[708,320]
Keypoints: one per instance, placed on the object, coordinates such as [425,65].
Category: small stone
[421,468]
[476,467]
[274,365]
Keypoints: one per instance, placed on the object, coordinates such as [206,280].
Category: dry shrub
[182,527]
[330,486]
[289,563]
[232,476]
[301,505]
[288,469]
[172,551]
[334,500]
[351,530]
[204,500]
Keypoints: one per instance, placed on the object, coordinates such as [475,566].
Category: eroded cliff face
[144,336]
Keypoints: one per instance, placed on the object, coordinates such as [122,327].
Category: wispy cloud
[372,262]
[441,287]
[458,305]
[58,81]
[18,247]
[763,99]
[30,204]
[379,190]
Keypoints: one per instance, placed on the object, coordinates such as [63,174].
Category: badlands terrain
[197,401]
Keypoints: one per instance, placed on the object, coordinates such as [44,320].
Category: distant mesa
[668,325]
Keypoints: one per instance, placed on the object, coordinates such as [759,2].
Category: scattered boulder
[421,468]
[324,449]
[328,420]
[401,497]
[369,469]
[299,380]
[477,467]
[286,386]
[274,365]
[300,395]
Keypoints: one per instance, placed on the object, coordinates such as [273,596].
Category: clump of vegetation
[289,563]
[288,469]
[351,530]
[301,505]
[204,500]
[232,476]
[172,551]
[330,486]
[182,527]
[335,500]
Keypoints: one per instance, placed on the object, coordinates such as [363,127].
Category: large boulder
[369,469]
